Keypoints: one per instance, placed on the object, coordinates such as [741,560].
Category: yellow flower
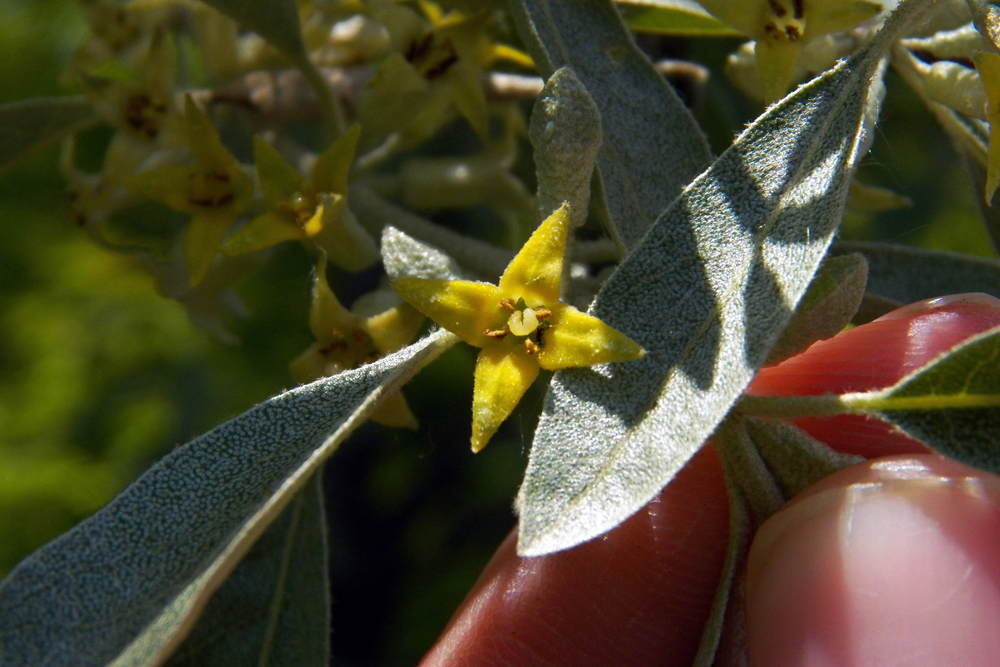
[214,191]
[315,209]
[520,325]
[781,27]
[345,340]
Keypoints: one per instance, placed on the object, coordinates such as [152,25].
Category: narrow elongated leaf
[673,17]
[565,132]
[829,304]
[130,581]
[706,293]
[652,145]
[274,609]
[277,21]
[404,256]
[795,458]
[29,125]
[905,274]
[952,404]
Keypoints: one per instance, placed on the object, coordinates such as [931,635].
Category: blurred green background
[99,376]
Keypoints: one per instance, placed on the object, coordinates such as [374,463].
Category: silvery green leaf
[706,293]
[478,257]
[277,21]
[728,591]
[795,458]
[652,145]
[125,586]
[745,467]
[274,609]
[905,274]
[29,125]
[673,17]
[829,304]
[403,255]
[951,404]
[565,131]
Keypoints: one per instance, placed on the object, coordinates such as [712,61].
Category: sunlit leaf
[829,304]
[652,145]
[127,584]
[952,404]
[565,131]
[274,608]
[29,125]
[706,293]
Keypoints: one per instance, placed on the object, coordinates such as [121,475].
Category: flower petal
[278,181]
[203,240]
[577,339]
[502,377]
[326,314]
[394,328]
[341,236]
[203,139]
[534,274]
[264,231]
[395,412]
[776,67]
[167,185]
[329,174]
[826,16]
[465,308]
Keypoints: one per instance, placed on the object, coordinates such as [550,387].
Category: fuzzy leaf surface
[829,304]
[953,403]
[652,146]
[125,586]
[904,274]
[706,293]
[565,132]
[274,608]
[29,125]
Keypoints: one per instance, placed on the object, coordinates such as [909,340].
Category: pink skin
[894,561]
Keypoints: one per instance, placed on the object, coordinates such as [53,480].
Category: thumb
[893,561]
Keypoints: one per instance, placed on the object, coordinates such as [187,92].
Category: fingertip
[895,558]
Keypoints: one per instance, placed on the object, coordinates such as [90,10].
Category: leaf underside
[706,293]
[965,382]
[132,578]
[640,129]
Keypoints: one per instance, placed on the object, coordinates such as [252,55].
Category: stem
[790,407]
[332,113]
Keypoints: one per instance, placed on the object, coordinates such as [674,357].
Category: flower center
[788,24]
[210,188]
[522,322]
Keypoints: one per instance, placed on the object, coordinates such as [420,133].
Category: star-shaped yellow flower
[214,191]
[345,340]
[520,325]
[314,209]
[781,27]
